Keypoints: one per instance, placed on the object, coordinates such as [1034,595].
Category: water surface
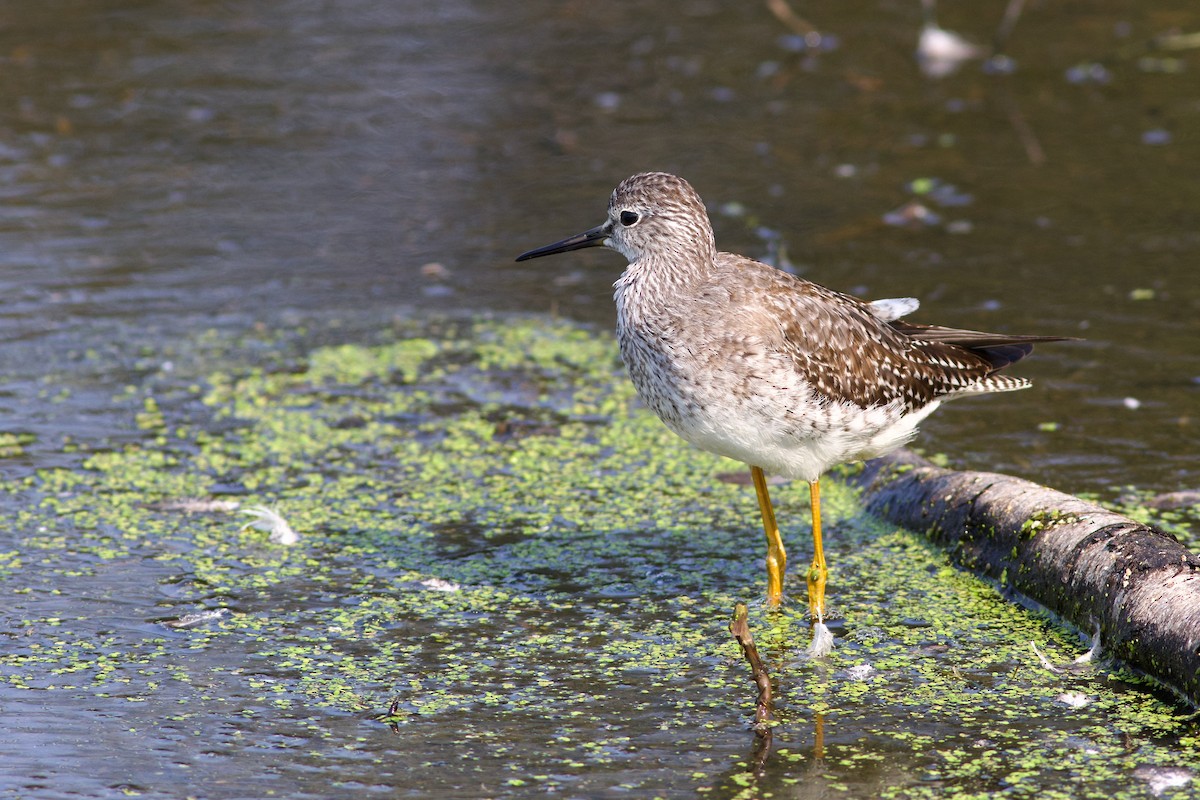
[190,189]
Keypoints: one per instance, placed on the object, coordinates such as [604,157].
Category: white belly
[768,418]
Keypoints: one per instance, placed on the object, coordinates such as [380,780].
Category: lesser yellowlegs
[746,361]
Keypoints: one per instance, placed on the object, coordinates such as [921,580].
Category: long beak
[589,238]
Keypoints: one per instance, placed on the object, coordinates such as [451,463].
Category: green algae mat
[506,580]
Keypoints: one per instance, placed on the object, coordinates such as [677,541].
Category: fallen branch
[741,631]
[1090,566]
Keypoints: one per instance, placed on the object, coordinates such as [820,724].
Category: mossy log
[1090,566]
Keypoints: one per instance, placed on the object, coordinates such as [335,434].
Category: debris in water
[860,672]
[191,620]
[195,505]
[912,215]
[1074,699]
[438,585]
[1078,665]
[941,52]
[822,641]
[270,522]
[1160,779]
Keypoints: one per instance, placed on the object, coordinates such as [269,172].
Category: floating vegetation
[520,580]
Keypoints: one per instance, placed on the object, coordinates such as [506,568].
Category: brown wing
[847,353]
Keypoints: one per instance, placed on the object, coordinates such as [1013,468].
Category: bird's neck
[650,285]
[667,273]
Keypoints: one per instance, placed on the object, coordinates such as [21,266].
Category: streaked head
[649,214]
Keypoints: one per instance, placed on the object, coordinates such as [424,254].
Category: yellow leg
[776,555]
[818,572]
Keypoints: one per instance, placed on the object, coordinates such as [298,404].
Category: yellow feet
[818,573]
[776,555]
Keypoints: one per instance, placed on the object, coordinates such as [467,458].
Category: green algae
[14,444]
[1180,521]
[498,542]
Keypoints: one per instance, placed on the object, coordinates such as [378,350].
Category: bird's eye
[629,218]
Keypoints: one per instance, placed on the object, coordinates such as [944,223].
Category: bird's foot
[818,574]
[822,641]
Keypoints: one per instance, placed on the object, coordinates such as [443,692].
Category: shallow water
[505,585]
[193,189]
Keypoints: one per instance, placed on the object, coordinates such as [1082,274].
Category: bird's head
[650,215]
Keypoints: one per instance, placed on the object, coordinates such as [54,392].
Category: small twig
[741,631]
[393,715]
[784,13]
[1025,133]
[760,753]
[1012,13]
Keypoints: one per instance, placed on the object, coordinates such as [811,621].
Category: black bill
[589,238]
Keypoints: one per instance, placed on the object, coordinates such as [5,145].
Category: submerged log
[1092,567]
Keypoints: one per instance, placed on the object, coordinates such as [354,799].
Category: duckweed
[500,549]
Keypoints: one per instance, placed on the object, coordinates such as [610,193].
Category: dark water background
[189,165]
[173,167]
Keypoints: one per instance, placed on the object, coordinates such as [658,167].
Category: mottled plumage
[749,362]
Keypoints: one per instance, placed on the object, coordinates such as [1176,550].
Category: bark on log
[1089,565]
